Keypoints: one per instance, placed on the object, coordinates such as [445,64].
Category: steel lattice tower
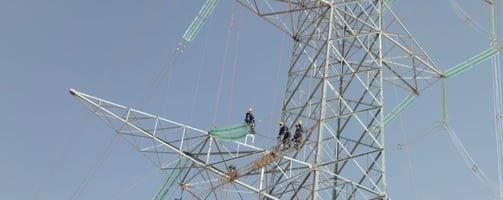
[344,54]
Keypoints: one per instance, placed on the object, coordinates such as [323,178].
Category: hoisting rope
[121,195]
[189,35]
[67,148]
[405,104]
[176,171]
[135,42]
[132,47]
[222,70]
[234,66]
[96,167]
[276,86]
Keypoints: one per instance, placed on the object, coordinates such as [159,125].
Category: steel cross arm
[86,97]
[96,104]
[82,97]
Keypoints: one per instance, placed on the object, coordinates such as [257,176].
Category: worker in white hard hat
[283,129]
[250,120]
[284,134]
[299,130]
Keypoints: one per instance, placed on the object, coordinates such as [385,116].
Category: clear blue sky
[114,50]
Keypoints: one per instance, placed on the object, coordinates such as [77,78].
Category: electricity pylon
[343,54]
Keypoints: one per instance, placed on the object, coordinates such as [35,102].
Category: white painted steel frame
[343,52]
[165,142]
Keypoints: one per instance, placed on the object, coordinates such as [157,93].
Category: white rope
[407,151]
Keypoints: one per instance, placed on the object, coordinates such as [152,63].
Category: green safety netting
[174,174]
[231,133]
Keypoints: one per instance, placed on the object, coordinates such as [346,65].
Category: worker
[250,120]
[284,134]
[299,130]
[233,172]
[282,129]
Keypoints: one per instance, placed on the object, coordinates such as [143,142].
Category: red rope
[276,85]
[231,93]
[217,103]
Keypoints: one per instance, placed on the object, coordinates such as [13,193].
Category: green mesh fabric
[231,133]
[174,174]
